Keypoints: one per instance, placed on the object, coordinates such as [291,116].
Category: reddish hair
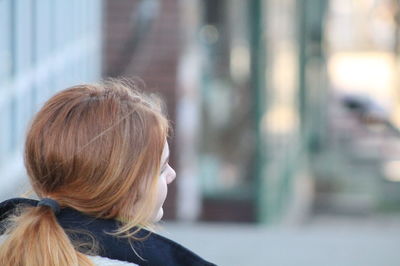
[94,148]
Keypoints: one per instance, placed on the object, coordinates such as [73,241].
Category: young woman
[97,157]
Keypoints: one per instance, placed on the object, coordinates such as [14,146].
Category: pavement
[323,241]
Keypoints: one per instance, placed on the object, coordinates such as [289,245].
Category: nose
[171,176]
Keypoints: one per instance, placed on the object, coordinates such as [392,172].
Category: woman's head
[98,149]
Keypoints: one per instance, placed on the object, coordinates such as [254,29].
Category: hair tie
[54,206]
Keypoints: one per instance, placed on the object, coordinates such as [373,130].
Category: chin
[159,215]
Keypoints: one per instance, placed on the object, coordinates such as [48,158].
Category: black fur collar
[154,250]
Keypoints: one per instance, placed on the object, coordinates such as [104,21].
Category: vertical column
[5,74]
[257,72]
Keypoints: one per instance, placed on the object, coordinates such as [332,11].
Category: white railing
[76,60]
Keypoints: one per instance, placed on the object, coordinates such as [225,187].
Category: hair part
[96,149]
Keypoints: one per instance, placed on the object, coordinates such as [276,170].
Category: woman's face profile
[167,175]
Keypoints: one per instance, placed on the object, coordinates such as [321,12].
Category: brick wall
[152,56]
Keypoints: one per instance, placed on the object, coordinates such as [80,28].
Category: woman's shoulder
[103,261]
[97,260]
[154,249]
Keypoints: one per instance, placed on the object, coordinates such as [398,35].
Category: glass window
[228,143]
[12,126]
[43,21]
[5,42]
[23,31]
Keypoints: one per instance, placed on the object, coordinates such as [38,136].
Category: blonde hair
[96,149]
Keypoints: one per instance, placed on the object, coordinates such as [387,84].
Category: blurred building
[244,83]
[358,171]
[45,46]
[259,132]
[143,42]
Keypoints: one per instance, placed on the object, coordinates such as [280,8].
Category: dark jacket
[153,250]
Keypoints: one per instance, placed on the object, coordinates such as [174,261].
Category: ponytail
[35,238]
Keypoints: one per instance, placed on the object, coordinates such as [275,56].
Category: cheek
[162,189]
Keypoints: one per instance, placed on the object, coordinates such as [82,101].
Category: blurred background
[286,115]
